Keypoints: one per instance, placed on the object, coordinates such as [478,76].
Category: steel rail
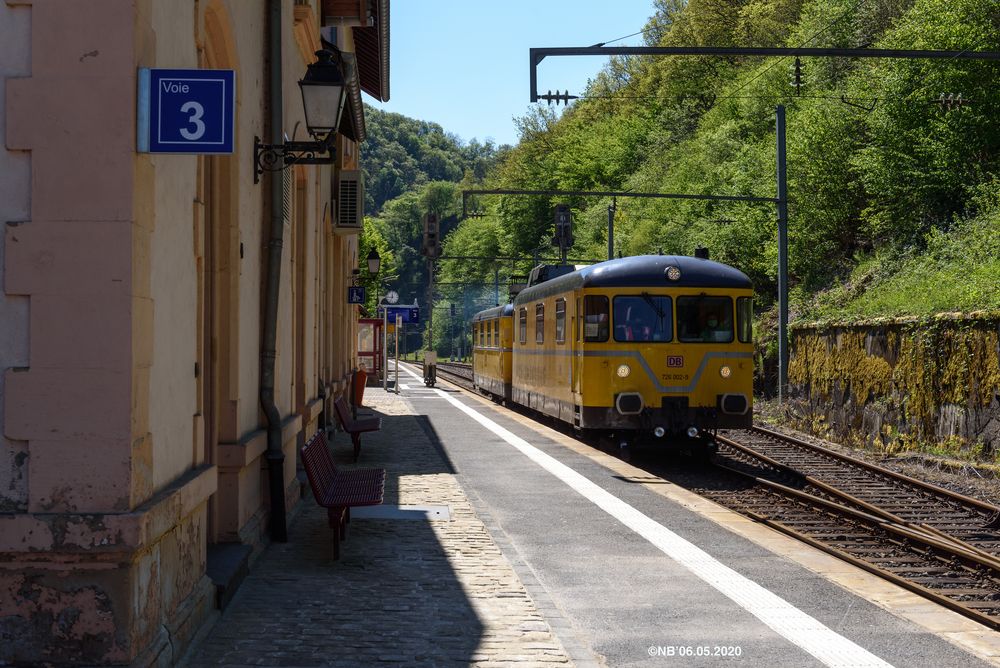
[890,519]
[903,534]
[927,487]
[456,370]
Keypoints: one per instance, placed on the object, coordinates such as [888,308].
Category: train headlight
[673,273]
[725,371]
[623,371]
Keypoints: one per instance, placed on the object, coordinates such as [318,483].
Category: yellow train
[654,345]
[492,351]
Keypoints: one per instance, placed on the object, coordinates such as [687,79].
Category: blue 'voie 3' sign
[409,314]
[186,111]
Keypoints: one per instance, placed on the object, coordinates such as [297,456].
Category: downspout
[268,352]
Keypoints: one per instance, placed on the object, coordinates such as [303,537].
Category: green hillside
[894,197]
[403,153]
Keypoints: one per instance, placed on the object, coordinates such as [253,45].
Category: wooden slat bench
[338,491]
[355,427]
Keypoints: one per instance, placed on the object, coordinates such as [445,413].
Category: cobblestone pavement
[409,592]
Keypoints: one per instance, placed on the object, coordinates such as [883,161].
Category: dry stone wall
[897,384]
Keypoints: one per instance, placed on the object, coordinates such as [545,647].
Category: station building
[147,422]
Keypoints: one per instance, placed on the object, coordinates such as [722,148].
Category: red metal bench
[338,491]
[358,381]
[355,427]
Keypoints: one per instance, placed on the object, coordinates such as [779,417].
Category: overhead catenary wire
[721,97]
[618,39]
[800,46]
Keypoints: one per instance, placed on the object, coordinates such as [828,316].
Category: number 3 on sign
[185,111]
[196,111]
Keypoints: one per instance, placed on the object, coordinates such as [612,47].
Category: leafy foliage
[402,153]
[892,196]
[890,175]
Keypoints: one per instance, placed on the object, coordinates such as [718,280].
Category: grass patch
[955,270]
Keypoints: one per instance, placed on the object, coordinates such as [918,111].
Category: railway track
[904,497]
[456,372]
[936,543]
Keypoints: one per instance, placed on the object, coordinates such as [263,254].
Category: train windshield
[706,319]
[643,317]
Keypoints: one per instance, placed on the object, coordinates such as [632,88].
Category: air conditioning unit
[350,202]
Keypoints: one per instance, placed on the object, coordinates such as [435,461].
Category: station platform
[503,542]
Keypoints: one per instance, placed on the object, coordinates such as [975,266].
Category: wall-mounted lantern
[374,262]
[324,93]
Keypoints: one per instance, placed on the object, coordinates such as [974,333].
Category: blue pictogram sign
[186,111]
[356,294]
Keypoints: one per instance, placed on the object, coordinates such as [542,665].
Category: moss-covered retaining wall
[897,384]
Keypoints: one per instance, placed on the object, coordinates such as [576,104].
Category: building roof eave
[372,47]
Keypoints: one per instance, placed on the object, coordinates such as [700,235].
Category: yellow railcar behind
[492,338]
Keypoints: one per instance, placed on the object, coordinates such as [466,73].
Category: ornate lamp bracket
[276,157]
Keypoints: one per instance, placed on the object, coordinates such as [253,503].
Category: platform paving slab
[413,592]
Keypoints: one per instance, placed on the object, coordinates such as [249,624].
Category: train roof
[503,311]
[642,271]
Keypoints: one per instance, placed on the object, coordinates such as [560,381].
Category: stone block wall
[901,383]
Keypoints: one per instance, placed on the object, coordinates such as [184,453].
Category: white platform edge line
[826,645]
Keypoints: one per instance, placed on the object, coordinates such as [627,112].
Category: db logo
[675,361]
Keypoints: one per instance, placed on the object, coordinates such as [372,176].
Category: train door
[576,354]
[501,351]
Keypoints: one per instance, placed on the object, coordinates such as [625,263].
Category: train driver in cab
[631,324]
[718,326]
[638,329]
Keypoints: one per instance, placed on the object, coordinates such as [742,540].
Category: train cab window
[479,334]
[495,328]
[475,333]
[595,318]
[539,323]
[744,319]
[522,326]
[560,321]
[643,317]
[706,319]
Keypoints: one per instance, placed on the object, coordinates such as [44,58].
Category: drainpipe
[268,352]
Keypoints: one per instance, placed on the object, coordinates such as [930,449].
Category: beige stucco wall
[15,193]
[172,266]
[109,491]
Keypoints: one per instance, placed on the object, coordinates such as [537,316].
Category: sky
[464,63]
